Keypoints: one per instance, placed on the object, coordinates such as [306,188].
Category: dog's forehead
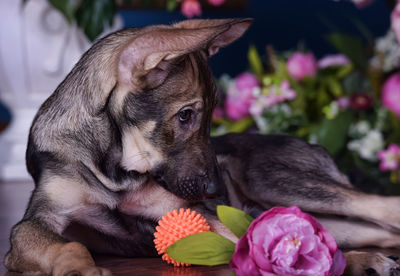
[192,79]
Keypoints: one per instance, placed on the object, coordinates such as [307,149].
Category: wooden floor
[13,200]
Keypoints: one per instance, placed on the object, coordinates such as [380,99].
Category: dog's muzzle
[196,188]
[191,188]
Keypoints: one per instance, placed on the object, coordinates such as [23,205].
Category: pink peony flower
[286,241]
[333,60]
[191,8]
[390,158]
[395,20]
[361,101]
[240,96]
[391,94]
[302,65]
[216,2]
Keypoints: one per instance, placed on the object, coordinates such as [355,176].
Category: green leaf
[255,61]
[172,5]
[344,71]
[94,16]
[241,125]
[207,248]
[332,133]
[334,87]
[66,7]
[234,219]
[352,47]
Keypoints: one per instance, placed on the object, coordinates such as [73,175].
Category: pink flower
[283,92]
[362,3]
[216,2]
[191,8]
[286,241]
[302,65]
[390,158]
[263,101]
[246,82]
[218,113]
[343,102]
[391,94]
[361,101]
[275,95]
[240,96]
[395,20]
[333,60]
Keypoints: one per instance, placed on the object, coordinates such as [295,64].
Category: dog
[125,138]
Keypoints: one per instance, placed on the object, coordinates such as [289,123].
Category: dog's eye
[185,115]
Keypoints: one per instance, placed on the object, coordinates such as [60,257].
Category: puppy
[125,138]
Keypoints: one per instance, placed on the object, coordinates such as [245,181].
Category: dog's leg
[370,264]
[35,248]
[275,184]
[280,170]
[356,234]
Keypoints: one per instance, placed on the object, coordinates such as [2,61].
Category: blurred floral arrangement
[348,102]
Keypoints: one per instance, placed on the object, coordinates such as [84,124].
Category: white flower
[331,110]
[262,124]
[368,146]
[360,128]
[313,139]
[225,81]
[387,53]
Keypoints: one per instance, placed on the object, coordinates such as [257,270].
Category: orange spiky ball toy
[175,226]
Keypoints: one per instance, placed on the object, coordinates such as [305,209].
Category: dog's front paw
[73,259]
[84,271]
[371,264]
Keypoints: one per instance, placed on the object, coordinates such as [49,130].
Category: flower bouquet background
[347,102]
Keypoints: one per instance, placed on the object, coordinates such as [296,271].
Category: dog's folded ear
[151,52]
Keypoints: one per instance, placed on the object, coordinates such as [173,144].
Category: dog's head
[164,100]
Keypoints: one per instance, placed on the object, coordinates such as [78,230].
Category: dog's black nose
[212,189]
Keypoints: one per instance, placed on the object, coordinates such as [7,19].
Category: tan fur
[379,209]
[71,194]
[50,254]
[358,261]
[350,233]
[150,201]
[138,153]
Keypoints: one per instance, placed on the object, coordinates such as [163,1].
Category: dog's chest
[151,201]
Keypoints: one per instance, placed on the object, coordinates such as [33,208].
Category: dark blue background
[281,23]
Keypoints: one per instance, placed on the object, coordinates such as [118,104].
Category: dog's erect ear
[149,54]
[237,28]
